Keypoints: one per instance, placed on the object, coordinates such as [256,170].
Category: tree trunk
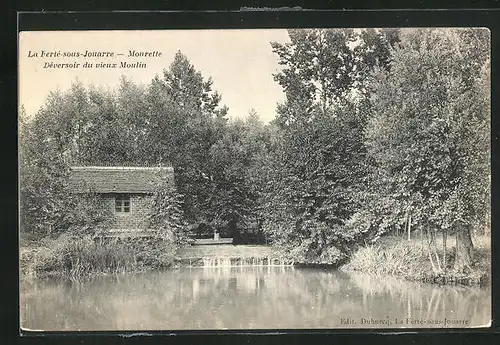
[429,246]
[422,238]
[435,251]
[445,236]
[464,249]
[409,226]
[406,227]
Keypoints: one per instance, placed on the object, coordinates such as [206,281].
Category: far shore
[44,259]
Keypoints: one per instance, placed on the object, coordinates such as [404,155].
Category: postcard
[255,179]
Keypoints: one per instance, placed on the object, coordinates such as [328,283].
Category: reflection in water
[245,297]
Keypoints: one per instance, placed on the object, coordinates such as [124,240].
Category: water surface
[248,298]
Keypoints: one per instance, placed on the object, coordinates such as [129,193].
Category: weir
[210,253]
[233,262]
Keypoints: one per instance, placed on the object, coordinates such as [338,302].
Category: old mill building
[126,192]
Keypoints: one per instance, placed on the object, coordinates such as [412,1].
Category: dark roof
[98,179]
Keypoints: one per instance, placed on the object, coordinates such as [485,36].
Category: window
[122,203]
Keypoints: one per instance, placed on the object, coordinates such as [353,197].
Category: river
[248,298]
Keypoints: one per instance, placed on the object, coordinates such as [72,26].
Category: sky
[240,62]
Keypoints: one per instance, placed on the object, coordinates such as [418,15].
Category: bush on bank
[395,256]
[78,257]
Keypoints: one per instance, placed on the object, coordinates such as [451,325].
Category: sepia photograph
[254,179]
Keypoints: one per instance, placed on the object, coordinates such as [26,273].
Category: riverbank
[80,257]
[395,256]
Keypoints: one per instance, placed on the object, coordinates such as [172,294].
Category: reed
[397,259]
[394,256]
[80,257]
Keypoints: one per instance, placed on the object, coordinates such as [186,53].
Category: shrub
[78,257]
[408,259]
[399,258]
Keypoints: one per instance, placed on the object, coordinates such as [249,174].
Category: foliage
[235,160]
[43,176]
[319,161]
[380,128]
[185,120]
[174,120]
[397,259]
[373,51]
[165,213]
[428,133]
[87,215]
[407,259]
[318,72]
[80,256]
[317,171]
[47,205]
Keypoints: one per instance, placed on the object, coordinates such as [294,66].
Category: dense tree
[317,169]
[374,49]
[319,157]
[185,120]
[165,214]
[428,135]
[42,176]
[237,181]
[318,71]
[133,122]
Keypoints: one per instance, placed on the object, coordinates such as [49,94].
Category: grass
[397,256]
[79,257]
